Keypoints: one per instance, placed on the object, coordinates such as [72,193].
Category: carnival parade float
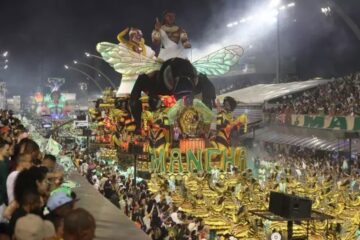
[165,113]
[53,103]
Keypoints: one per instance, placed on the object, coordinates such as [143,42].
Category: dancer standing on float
[225,122]
[137,44]
[224,119]
[176,76]
[173,40]
[134,48]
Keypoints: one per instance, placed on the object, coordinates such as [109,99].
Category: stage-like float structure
[165,113]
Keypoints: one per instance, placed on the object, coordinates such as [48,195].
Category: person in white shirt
[84,168]
[102,182]
[23,161]
[175,217]
[96,182]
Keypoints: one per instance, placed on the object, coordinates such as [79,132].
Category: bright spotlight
[326,10]
[229,25]
[66,66]
[75,62]
[6,67]
[87,54]
[274,13]
[5,54]
[283,7]
[6,60]
[250,18]
[291,4]
[275,3]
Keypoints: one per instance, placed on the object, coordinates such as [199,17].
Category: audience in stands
[340,97]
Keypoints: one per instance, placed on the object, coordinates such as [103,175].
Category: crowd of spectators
[340,97]
[158,216]
[33,205]
[306,161]
[154,213]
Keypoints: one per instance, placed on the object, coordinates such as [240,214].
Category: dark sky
[43,35]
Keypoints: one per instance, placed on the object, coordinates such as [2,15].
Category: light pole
[3,91]
[97,70]
[279,9]
[278,48]
[269,13]
[67,67]
[275,4]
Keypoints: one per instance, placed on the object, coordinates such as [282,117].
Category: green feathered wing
[125,61]
[220,61]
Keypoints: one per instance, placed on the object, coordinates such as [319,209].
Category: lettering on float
[200,160]
[158,160]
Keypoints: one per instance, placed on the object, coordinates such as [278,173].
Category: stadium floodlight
[275,3]
[291,4]
[326,10]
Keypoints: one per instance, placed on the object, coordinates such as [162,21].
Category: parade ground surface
[111,223]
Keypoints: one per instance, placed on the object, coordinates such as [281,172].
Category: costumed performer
[137,44]
[225,123]
[173,40]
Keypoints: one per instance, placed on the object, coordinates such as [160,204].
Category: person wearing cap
[172,38]
[32,227]
[60,204]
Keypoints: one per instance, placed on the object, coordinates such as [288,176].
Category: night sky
[43,35]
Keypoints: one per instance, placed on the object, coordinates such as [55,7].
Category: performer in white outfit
[173,39]
[137,44]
